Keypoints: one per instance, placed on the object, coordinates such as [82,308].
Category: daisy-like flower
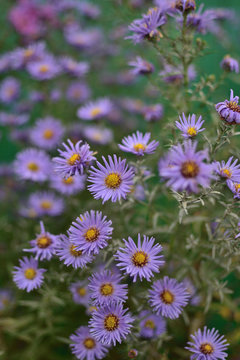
[90,232]
[229,110]
[168,297]
[174,74]
[229,170]
[77,37]
[138,144]
[44,69]
[9,90]
[67,253]
[47,133]
[95,109]
[185,168]
[112,180]
[6,298]
[230,64]
[152,112]
[98,135]
[78,92]
[73,67]
[111,324]
[105,288]
[44,245]
[45,203]
[21,56]
[195,299]
[85,347]
[235,188]
[13,119]
[69,185]
[140,260]
[189,126]
[28,276]
[207,345]
[32,164]
[141,66]
[148,26]
[151,325]
[80,293]
[75,158]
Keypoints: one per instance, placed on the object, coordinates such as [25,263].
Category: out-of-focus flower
[141,66]
[174,75]
[32,164]
[28,276]
[83,39]
[95,109]
[69,185]
[185,6]
[44,203]
[133,353]
[98,135]
[229,170]
[73,67]
[189,126]
[230,64]
[89,10]
[112,180]
[166,6]
[168,297]
[5,62]
[44,69]
[229,110]
[7,119]
[111,324]
[235,188]
[195,299]
[80,293]
[201,21]
[78,92]
[207,344]
[153,112]
[9,90]
[151,325]
[47,133]
[6,298]
[138,144]
[55,95]
[22,56]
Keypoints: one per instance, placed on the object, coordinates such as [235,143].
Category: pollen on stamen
[96,111]
[150,324]
[113,180]
[138,147]
[82,291]
[92,234]
[73,159]
[206,349]
[140,258]
[44,68]
[167,297]
[192,131]
[89,343]
[30,273]
[46,205]
[106,289]
[189,169]
[44,241]
[75,252]
[111,322]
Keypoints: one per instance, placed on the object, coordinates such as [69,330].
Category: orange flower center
[44,242]
[48,134]
[89,343]
[138,147]
[33,166]
[140,258]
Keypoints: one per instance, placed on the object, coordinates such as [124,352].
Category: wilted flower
[28,276]
[138,144]
[230,64]
[189,126]
[47,133]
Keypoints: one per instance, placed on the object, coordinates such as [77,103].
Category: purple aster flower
[67,253]
[90,10]
[7,119]
[148,26]
[6,298]
[141,66]
[151,325]
[95,110]
[207,345]
[73,67]
[185,168]
[235,188]
[68,186]
[75,158]
[80,293]
[189,126]
[47,133]
[138,144]
[44,69]
[229,110]
[45,203]
[90,232]
[83,39]
[21,56]
[85,347]
[168,297]
[202,21]
[44,245]
[230,64]
[140,260]
[166,6]
[32,164]
[98,135]
[229,170]
[195,299]
[5,62]
[153,112]
[133,353]
[185,5]
[28,276]
[55,95]
[174,75]
[111,181]
[78,92]
[9,90]
[111,324]
[105,288]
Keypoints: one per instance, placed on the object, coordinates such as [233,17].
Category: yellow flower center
[43,242]
[206,348]
[227,172]
[48,134]
[28,53]
[92,308]
[111,322]
[189,169]
[44,68]
[82,291]
[95,111]
[140,258]
[68,181]
[30,273]
[233,105]
[73,159]
[33,166]
[75,252]
[192,131]
[106,289]
[89,343]
[113,180]
[237,187]
[149,324]
[138,147]
[92,234]
[167,297]
[46,205]
[10,91]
